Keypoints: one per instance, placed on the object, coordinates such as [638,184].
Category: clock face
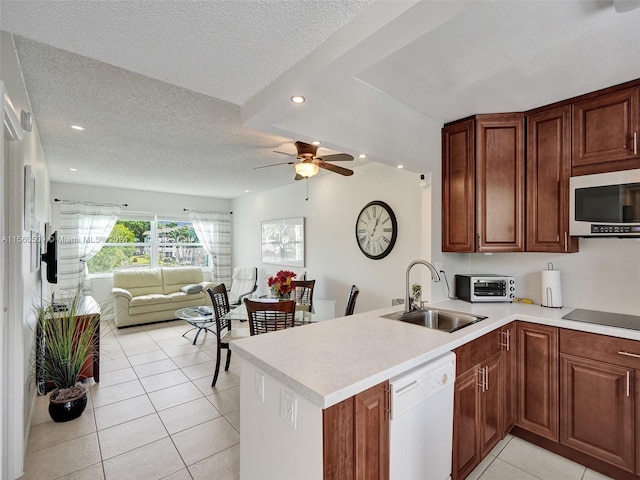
[376,230]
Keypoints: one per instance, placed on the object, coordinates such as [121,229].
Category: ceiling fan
[307,164]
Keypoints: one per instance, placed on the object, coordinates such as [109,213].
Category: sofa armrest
[207,285]
[121,292]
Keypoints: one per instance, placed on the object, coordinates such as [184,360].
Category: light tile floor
[154,415]
[515,459]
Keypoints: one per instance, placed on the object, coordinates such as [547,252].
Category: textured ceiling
[209,99]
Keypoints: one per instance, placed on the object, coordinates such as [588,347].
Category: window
[143,243]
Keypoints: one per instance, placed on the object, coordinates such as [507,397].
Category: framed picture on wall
[283,242]
[36,248]
[29,199]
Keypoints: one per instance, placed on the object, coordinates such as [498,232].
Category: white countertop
[330,361]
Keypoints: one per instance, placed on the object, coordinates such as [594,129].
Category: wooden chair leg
[226,366]
[215,375]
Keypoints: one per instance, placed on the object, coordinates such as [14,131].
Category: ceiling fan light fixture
[305,169]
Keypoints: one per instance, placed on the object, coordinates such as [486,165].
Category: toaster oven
[485,288]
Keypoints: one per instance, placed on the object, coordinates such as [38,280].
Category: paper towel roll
[551,289]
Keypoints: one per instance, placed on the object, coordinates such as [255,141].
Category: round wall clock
[376,230]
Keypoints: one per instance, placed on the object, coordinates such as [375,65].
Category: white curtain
[84,228]
[214,231]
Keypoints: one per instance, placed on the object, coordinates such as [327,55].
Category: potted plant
[65,346]
[416,291]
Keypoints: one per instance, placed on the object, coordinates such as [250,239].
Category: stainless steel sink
[443,320]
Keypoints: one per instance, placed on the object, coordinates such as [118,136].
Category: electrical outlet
[260,386]
[289,409]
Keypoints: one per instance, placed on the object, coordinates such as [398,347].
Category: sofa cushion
[174,278]
[151,299]
[139,282]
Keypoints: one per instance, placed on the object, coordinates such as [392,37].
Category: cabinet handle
[629,354]
[486,378]
[507,342]
[482,383]
[628,383]
[566,242]
[635,143]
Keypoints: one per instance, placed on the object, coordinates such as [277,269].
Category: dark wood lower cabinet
[466,435]
[356,437]
[597,410]
[479,402]
[537,353]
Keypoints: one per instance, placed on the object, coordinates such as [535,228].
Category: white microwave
[605,204]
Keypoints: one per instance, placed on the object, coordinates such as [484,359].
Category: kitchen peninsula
[291,378]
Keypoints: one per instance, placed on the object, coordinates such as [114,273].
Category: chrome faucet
[434,276]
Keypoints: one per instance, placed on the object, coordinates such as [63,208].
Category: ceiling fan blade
[298,177]
[273,165]
[334,168]
[285,153]
[338,157]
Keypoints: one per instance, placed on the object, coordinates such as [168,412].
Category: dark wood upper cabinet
[458,187]
[548,172]
[483,184]
[500,182]
[605,132]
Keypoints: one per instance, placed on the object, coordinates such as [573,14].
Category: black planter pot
[68,409]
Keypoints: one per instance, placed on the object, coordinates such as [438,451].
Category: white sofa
[153,295]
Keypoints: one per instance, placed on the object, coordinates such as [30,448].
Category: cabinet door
[466,420]
[500,183]
[490,401]
[371,426]
[537,354]
[356,437]
[548,172]
[508,384]
[458,187]
[597,410]
[605,133]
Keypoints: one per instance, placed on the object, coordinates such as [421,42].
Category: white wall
[332,256]
[22,285]
[604,275]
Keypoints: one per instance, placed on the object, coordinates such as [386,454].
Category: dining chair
[220,302]
[303,295]
[351,300]
[270,316]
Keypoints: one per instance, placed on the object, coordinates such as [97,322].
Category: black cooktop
[604,318]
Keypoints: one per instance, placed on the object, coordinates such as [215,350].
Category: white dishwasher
[421,427]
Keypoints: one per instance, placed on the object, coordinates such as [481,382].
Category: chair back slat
[270,316]
[220,303]
[304,292]
[351,300]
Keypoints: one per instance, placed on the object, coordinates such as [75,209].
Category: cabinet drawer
[476,351]
[617,351]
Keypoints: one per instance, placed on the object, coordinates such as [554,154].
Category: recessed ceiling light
[400,166]
[246,191]
[315,143]
[73,169]
[77,127]
[298,99]
[362,155]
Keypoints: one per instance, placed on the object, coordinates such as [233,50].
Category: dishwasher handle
[407,388]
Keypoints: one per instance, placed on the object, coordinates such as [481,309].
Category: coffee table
[198,317]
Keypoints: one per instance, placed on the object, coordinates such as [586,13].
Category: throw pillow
[193,288]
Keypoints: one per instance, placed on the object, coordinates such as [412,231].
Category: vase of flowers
[281,284]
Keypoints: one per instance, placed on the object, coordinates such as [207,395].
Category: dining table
[239,317]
